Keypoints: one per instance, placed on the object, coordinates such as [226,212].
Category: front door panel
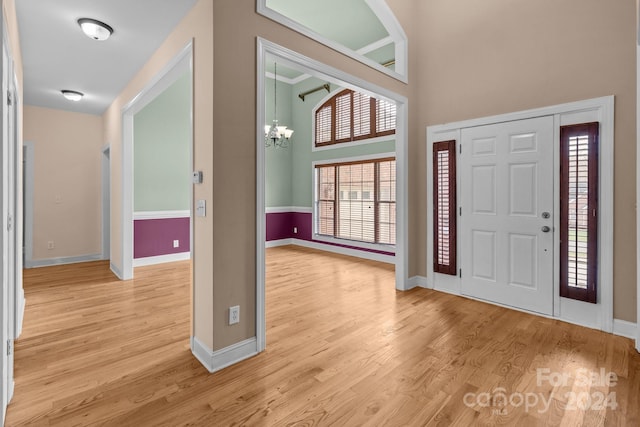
[506,173]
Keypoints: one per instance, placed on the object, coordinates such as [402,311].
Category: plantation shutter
[323,124]
[385,117]
[343,116]
[361,115]
[579,211]
[351,116]
[444,207]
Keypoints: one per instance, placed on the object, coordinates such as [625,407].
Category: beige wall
[67,181]
[465,60]
[236,26]
[196,26]
[494,57]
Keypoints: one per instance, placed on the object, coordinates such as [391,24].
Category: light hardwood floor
[343,348]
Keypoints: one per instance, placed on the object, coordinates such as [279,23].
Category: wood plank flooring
[343,349]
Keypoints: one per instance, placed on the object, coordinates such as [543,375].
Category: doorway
[176,68]
[314,68]
[527,272]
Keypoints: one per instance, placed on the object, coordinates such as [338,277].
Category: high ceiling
[57,55]
[351,23]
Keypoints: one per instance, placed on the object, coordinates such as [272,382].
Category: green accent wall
[289,173]
[278,182]
[162,163]
[303,156]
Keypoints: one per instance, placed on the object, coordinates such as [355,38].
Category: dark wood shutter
[352,116]
[385,118]
[444,207]
[579,211]
[323,123]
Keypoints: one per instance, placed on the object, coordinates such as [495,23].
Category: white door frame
[638,188]
[165,78]
[334,75]
[29,152]
[106,202]
[598,316]
[5,193]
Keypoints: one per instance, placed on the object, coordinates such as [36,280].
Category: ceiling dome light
[72,95]
[95,29]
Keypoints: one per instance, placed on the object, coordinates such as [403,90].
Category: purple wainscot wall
[154,237]
[280,226]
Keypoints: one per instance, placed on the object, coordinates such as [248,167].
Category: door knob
[546,229]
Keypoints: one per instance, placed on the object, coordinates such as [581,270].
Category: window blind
[579,211]
[444,207]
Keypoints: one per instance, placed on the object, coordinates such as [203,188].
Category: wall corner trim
[624,328]
[160,259]
[48,262]
[115,270]
[418,281]
[220,359]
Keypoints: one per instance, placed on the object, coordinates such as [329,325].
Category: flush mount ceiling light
[95,29]
[72,95]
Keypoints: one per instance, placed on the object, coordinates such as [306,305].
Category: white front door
[506,223]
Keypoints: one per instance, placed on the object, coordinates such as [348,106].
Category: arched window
[353,116]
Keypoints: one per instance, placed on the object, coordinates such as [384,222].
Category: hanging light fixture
[274,135]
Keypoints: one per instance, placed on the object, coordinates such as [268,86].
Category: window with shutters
[444,206]
[353,116]
[579,211]
[356,201]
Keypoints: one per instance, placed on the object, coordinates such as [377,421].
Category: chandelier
[274,135]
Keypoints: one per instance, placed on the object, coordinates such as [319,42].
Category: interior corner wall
[162,152]
[303,154]
[236,27]
[196,27]
[67,182]
[495,57]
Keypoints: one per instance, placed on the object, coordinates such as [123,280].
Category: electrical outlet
[176,243]
[234,314]
[295,230]
[50,245]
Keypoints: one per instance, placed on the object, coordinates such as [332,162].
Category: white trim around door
[597,316]
[325,72]
[167,76]
[638,191]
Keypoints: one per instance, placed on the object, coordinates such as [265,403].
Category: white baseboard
[220,359]
[276,243]
[625,329]
[11,388]
[61,261]
[22,303]
[389,259]
[160,259]
[115,270]
[418,281]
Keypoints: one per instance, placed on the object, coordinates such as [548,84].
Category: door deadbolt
[546,215]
